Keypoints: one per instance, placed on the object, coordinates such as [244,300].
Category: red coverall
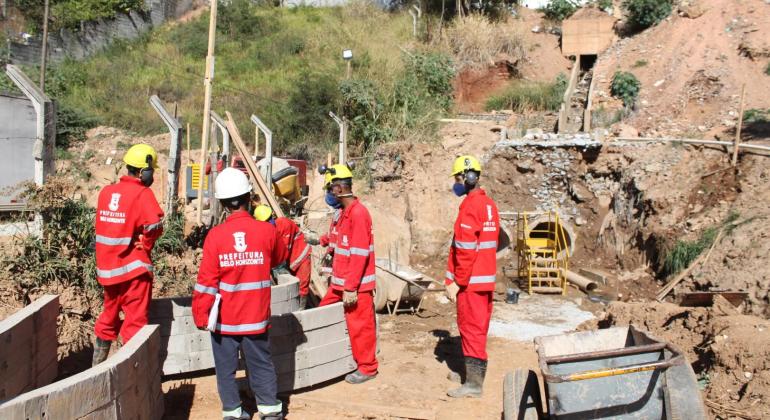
[472,265]
[236,263]
[353,270]
[128,222]
[299,251]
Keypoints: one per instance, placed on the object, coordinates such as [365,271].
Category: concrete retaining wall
[97,35]
[308,347]
[126,386]
[28,347]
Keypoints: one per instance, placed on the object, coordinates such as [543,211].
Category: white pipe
[341,124]
[585,284]
[692,141]
[268,149]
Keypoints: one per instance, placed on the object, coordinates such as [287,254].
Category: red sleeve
[465,244]
[280,253]
[449,276]
[360,240]
[151,219]
[207,285]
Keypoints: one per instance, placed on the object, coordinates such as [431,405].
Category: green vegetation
[640,63]
[530,96]
[604,4]
[283,65]
[625,86]
[683,253]
[69,13]
[767,69]
[755,115]
[643,14]
[558,10]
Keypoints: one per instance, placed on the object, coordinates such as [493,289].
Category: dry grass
[475,42]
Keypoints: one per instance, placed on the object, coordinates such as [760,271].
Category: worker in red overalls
[237,258]
[329,239]
[298,263]
[353,277]
[128,222]
[471,269]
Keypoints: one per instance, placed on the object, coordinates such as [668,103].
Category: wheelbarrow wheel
[521,395]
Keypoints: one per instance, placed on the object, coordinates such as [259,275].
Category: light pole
[347,55]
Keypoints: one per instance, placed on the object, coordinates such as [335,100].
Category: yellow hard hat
[465,163]
[263,212]
[339,171]
[138,155]
[327,179]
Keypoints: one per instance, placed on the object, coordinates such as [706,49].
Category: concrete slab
[536,316]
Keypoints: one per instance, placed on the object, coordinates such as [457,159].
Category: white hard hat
[231,183]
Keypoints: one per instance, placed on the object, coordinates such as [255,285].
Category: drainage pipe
[690,141]
[585,284]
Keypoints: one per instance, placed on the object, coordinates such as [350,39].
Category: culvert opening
[546,229]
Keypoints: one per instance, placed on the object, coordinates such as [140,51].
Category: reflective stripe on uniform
[204,289]
[301,257]
[115,272]
[242,287]
[481,279]
[465,245]
[338,281]
[154,225]
[368,279]
[106,240]
[342,251]
[488,245]
[450,275]
[359,251]
[242,327]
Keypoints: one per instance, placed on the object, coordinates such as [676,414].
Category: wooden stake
[256,177]
[207,105]
[44,53]
[329,160]
[738,129]
[189,155]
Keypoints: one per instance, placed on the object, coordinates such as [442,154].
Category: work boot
[454,377]
[475,370]
[271,416]
[236,414]
[358,378]
[101,351]
[302,302]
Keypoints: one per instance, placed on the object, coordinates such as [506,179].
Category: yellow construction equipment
[543,252]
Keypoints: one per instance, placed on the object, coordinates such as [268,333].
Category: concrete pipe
[585,284]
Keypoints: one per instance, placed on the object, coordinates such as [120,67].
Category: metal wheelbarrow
[618,373]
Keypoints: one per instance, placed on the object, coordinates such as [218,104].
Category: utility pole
[207,106]
[44,53]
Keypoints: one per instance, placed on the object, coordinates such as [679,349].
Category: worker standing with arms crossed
[128,222]
[353,277]
[237,257]
[471,269]
[298,262]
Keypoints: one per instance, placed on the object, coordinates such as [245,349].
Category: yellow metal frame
[196,177]
[543,259]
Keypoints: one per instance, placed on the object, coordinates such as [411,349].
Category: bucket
[512,296]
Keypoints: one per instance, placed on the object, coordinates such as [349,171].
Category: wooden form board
[28,347]
[587,36]
[126,386]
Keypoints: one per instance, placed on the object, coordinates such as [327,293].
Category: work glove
[349,298]
[323,240]
[311,238]
[451,291]
[139,244]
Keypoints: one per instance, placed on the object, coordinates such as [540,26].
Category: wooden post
[207,104]
[44,53]
[328,160]
[348,70]
[256,141]
[738,128]
[256,177]
[189,156]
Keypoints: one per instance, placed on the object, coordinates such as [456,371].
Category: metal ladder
[543,254]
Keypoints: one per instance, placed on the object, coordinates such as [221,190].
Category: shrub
[362,102]
[531,96]
[645,13]
[475,42]
[625,86]
[435,73]
[767,69]
[756,115]
[69,13]
[604,4]
[558,10]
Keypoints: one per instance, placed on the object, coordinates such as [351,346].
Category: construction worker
[128,222]
[329,239]
[353,277]
[299,250]
[470,275]
[237,257]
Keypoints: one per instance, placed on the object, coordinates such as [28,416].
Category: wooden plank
[347,405]
[255,177]
[707,298]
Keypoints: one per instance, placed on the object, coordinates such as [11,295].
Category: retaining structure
[28,348]
[125,386]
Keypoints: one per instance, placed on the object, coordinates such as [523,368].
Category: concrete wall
[97,35]
[18,131]
[309,347]
[126,386]
[28,345]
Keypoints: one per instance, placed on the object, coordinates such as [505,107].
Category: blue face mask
[271,221]
[332,201]
[459,189]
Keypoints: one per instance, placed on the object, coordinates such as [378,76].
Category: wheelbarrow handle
[622,370]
